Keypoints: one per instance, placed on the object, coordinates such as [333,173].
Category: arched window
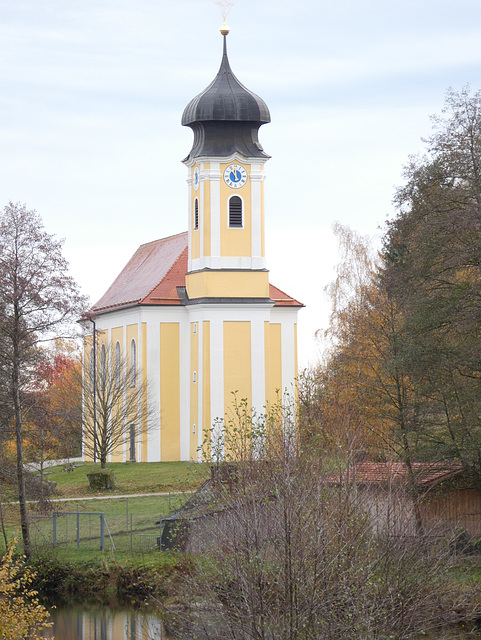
[117,370]
[235,213]
[133,364]
[196,214]
[132,442]
[103,367]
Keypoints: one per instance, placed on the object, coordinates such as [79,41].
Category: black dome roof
[226,99]
[226,116]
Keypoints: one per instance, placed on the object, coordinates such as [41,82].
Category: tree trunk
[3,524]
[22,498]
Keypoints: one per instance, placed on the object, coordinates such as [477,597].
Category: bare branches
[116,406]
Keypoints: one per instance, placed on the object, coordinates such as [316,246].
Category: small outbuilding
[445,494]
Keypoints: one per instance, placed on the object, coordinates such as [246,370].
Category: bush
[21,614]
[102,480]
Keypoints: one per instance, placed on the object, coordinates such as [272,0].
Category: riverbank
[129,580]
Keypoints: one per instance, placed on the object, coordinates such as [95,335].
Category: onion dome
[226,117]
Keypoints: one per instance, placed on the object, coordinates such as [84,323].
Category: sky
[92,93]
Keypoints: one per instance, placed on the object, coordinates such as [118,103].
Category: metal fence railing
[95,530]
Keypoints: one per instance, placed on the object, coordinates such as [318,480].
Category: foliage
[38,301]
[21,614]
[403,372]
[58,399]
[52,426]
[433,270]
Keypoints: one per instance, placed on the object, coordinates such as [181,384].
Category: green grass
[140,477]
[131,523]
[179,479]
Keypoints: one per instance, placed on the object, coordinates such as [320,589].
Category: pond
[104,623]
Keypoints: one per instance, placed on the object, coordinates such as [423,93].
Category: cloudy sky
[92,92]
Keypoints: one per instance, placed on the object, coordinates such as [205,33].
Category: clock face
[235,176]
[196,178]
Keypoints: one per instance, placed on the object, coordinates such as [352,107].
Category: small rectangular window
[193,428]
[194,377]
[194,327]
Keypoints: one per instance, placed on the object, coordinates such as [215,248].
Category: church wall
[257,215]
[231,352]
[246,348]
[287,317]
[273,351]
[195,381]
[235,242]
[206,383]
[237,364]
[225,284]
[170,390]
[143,436]
[206,215]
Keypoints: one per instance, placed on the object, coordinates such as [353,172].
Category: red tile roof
[282,299]
[147,268]
[154,272]
[382,472]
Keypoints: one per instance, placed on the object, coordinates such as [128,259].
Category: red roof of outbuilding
[154,272]
[382,472]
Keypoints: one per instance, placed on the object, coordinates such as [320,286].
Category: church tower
[238,347]
[194,315]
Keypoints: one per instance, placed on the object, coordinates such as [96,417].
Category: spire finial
[225,6]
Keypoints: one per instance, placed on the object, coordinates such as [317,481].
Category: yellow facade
[170,390]
[227,284]
[235,242]
[207,216]
[273,359]
[237,363]
[206,414]
[143,370]
[194,388]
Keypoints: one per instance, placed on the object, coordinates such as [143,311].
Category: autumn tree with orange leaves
[55,428]
[403,373]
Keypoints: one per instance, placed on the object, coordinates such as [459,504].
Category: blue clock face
[235,176]
[196,178]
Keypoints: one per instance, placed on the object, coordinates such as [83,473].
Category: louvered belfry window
[235,212]
[196,214]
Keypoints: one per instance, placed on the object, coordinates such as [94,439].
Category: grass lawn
[132,477]
[130,522]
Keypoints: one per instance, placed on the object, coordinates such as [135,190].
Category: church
[195,313]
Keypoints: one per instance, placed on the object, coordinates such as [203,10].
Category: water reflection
[104,624]
[111,624]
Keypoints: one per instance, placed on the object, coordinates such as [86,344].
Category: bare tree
[281,552]
[116,407]
[38,301]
